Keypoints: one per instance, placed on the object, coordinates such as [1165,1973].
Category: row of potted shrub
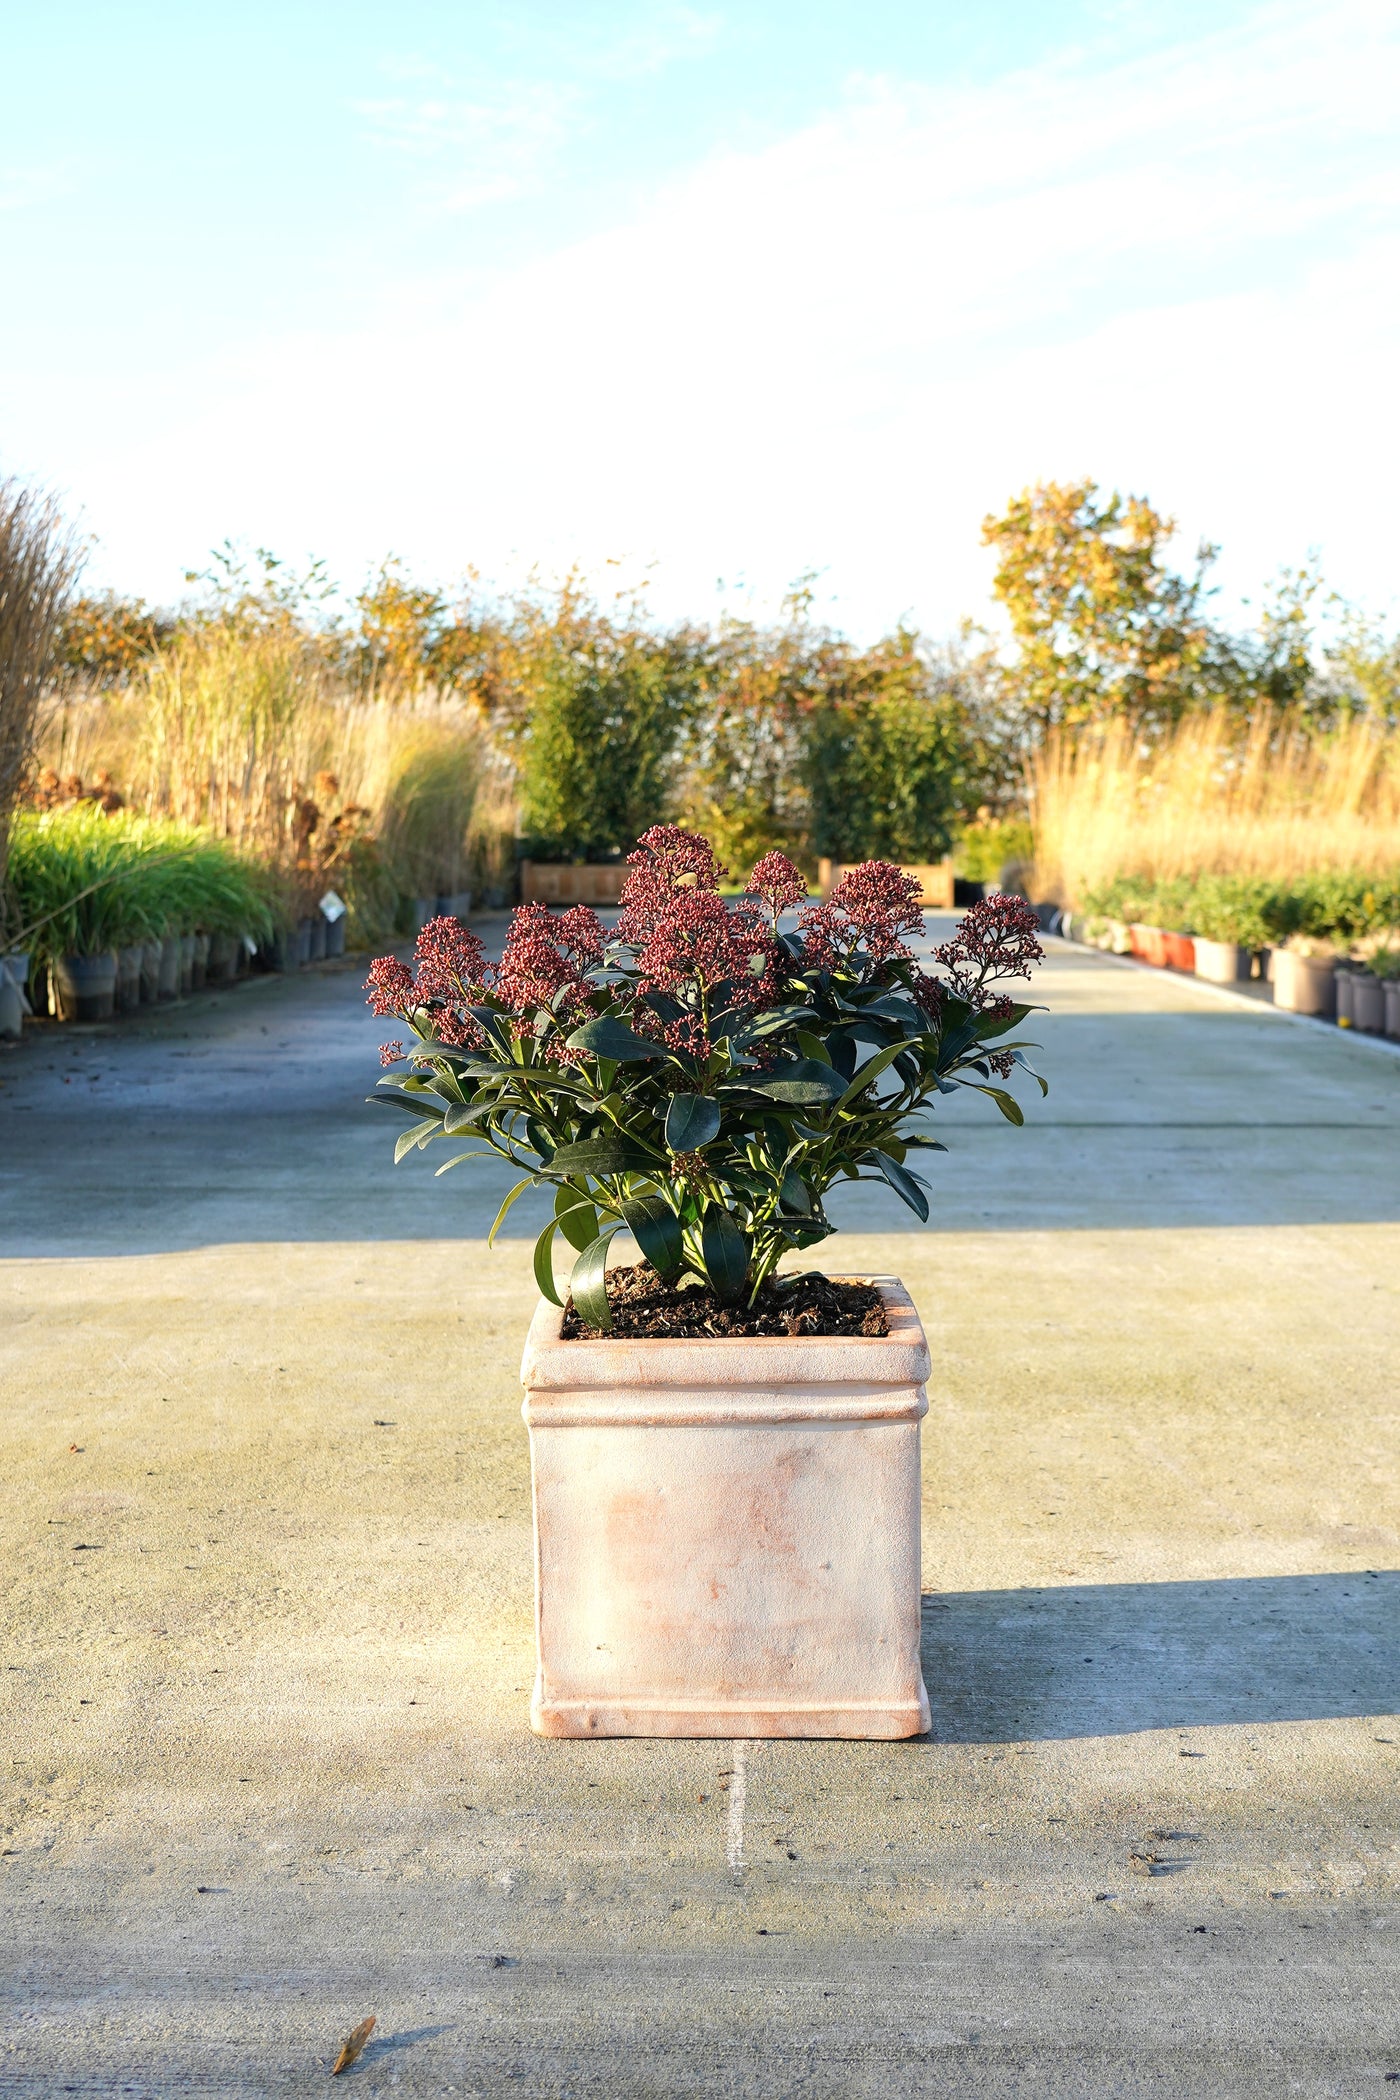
[1329,943]
[116,911]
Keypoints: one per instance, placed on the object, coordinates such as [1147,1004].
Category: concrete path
[266,1544]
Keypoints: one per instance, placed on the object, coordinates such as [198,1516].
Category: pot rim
[899,1358]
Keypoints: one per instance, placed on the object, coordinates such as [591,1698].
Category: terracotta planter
[1149,945]
[1180,952]
[571,881]
[727,1533]
[934,877]
[1220,962]
[1304,984]
[1392,1008]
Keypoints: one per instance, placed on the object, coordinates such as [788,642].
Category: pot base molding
[877,1722]
[727,1532]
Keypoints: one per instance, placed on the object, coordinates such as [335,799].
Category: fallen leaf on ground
[352,2045]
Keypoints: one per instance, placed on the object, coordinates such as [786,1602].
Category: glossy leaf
[805,1081]
[518,1190]
[588,1283]
[427,1126]
[903,1183]
[871,1069]
[544,1263]
[657,1231]
[611,1038]
[601,1155]
[576,1216]
[692,1120]
[725,1253]
[413,1103]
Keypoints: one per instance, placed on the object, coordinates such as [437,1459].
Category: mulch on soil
[646,1308]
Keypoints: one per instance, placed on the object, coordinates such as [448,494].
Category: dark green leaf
[544,1263]
[794,1194]
[903,1183]
[805,1080]
[657,1231]
[725,1253]
[988,1028]
[692,1120]
[577,1219]
[428,1126]
[519,1189]
[588,1283]
[601,1155]
[871,1069]
[612,1038]
[414,1103]
[1007,1103]
[458,1119]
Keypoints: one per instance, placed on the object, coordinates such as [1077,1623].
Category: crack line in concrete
[738,1797]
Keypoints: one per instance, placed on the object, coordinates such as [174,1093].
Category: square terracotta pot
[727,1532]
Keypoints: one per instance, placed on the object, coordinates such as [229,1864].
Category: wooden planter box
[935,880]
[571,881]
[727,1532]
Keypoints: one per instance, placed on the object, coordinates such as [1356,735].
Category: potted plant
[1304,976]
[725,1458]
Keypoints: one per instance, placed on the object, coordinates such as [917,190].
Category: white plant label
[332,907]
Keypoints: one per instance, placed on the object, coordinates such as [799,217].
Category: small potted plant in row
[725,1456]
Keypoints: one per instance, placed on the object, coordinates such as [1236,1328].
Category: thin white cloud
[840,352]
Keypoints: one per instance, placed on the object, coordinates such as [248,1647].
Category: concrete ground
[266,1536]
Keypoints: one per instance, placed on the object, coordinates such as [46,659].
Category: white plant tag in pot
[332,907]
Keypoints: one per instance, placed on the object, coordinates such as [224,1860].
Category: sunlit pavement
[269,1624]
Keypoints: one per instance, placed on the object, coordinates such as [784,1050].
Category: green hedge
[83,883]
[1336,904]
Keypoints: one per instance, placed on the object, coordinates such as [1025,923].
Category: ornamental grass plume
[698,1077]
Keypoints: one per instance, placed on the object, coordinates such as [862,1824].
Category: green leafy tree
[606,703]
[1101,625]
[885,760]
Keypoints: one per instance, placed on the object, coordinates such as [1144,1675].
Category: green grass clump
[84,884]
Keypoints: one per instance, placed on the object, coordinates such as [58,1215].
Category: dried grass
[1212,799]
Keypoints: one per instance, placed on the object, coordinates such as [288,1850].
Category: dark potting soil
[645,1307]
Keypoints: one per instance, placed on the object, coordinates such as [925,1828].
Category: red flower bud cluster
[998,937]
[668,863]
[697,944]
[776,883]
[538,970]
[861,924]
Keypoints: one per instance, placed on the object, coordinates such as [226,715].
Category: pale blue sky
[717,291]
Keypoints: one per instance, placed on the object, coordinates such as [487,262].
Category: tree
[885,760]
[606,701]
[1102,626]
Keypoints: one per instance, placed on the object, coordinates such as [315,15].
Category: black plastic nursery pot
[130,962]
[223,958]
[335,936]
[318,936]
[170,967]
[201,961]
[86,986]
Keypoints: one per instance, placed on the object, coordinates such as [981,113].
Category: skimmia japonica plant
[697,1075]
